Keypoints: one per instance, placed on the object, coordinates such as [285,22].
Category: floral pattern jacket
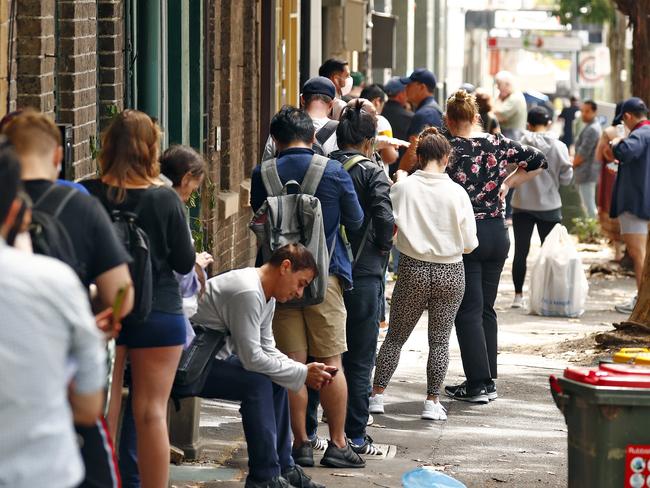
[480,165]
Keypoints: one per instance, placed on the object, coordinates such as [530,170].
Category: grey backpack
[286,218]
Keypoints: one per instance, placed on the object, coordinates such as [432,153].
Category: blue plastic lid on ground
[427,477]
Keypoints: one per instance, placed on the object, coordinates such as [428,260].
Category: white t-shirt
[46,323]
[329,146]
[434,217]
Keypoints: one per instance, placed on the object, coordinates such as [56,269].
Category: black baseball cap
[421,75]
[319,85]
[634,105]
[538,116]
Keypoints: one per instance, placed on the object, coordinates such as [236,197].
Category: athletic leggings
[421,285]
[522,226]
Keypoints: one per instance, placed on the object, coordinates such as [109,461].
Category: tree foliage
[592,11]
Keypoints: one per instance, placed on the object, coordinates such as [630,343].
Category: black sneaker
[491,388]
[452,389]
[299,479]
[277,482]
[367,448]
[341,457]
[303,455]
[474,395]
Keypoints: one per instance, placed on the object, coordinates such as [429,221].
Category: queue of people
[113,259]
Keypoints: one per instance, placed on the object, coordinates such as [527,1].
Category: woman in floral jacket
[480,165]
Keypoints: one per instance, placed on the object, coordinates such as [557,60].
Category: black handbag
[194,366]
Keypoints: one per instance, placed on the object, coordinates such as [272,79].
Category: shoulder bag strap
[271,178]
[314,174]
[55,197]
[325,132]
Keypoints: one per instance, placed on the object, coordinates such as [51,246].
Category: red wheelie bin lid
[624,375]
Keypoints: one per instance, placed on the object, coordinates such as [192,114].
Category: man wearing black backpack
[74,228]
[317,97]
[317,331]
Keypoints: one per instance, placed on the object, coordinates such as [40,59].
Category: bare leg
[153,371]
[636,244]
[298,406]
[334,399]
[115,403]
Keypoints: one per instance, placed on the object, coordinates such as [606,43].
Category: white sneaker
[518,302]
[371,420]
[376,403]
[627,307]
[433,411]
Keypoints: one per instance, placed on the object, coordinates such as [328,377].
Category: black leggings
[522,225]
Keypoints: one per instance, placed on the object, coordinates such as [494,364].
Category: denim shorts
[631,224]
[159,330]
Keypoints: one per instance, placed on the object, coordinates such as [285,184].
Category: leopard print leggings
[421,285]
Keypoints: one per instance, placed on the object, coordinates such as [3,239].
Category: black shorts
[98,457]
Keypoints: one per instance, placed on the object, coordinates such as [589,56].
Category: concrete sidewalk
[518,440]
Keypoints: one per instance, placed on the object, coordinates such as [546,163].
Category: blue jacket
[427,114]
[632,188]
[337,197]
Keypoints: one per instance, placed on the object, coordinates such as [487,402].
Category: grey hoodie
[542,192]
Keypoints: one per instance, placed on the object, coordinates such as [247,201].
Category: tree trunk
[638,12]
[617,55]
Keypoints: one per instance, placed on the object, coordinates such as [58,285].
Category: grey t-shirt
[589,170]
[234,302]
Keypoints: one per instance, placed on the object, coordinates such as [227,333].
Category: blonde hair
[461,107]
[32,132]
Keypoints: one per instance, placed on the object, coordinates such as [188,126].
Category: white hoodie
[542,192]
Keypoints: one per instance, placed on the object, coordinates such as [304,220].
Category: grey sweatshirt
[234,302]
[542,192]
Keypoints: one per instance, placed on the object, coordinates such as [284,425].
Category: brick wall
[4,63]
[232,53]
[110,46]
[77,78]
[35,59]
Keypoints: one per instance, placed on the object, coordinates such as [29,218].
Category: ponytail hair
[431,145]
[356,126]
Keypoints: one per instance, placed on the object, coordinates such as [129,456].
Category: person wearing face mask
[338,71]
[420,86]
[369,246]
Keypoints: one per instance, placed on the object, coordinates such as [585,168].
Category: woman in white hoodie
[537,202]
[435,226]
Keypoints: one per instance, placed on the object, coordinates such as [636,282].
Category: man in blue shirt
[631,197]
[420,87]
[317,331]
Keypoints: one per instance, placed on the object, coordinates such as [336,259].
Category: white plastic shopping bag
[558,285]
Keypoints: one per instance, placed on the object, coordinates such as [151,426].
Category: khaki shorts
[317,329]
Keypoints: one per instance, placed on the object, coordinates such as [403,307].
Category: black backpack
[49,236]
[322,135]
[136,242]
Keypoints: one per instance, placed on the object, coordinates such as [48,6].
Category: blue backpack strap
[271,178]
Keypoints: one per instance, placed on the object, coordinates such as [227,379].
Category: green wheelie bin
[607,411]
